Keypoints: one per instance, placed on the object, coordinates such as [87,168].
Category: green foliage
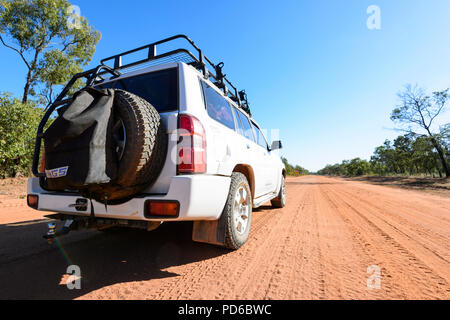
[18,124]
[410,154]
[293,171]
[52,42]
[354,167]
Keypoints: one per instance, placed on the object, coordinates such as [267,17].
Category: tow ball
[52,233]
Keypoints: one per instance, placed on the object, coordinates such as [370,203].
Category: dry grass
[13,187]
[433,185]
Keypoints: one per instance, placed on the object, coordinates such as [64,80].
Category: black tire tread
[145,150]
[277,202]
[231,241]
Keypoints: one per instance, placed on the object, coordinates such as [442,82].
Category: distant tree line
[294,170]
[407,155]
[421,150]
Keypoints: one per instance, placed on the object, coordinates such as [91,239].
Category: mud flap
[212,232]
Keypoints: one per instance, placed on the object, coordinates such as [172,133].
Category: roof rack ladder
[203,64]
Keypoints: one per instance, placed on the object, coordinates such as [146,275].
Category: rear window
[160,88]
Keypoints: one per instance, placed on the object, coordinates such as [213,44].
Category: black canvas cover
[79,147]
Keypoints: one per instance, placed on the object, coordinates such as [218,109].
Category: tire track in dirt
[273,281]
[367,250]
[318,247]
[422,281]
[206,274]
[414,232]
[345,261]
[415,206]
[244,270]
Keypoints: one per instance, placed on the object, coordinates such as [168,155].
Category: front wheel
[280,200]
[238,212]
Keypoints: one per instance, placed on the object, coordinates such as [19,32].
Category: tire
[142,152]
[237,212]
[280,200]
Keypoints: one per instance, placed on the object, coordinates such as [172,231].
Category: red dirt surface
[318,247]
[13,202]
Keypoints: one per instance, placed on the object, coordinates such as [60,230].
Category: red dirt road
[318,247]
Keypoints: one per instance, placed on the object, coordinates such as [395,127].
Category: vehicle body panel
[201,196]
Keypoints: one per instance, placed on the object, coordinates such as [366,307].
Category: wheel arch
[248,172]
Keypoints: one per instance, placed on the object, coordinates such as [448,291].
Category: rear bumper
[201,197]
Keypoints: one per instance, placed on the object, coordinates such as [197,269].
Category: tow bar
[72,223]
[52,234]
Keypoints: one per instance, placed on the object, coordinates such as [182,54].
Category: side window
[259,137]
[246,126]
[217,107]
[239,128]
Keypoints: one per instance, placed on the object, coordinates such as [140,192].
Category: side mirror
[276,145]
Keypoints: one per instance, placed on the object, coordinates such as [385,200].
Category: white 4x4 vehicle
[214,162]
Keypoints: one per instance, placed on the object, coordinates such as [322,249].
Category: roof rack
[199,61]
[94,75]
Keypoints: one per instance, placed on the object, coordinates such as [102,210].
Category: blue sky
[312,69]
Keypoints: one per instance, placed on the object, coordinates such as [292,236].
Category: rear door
[252,154]
[221,142]
[160,87]
[268,160]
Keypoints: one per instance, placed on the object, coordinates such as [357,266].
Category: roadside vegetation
[292,170]
[419,152]
[18,123]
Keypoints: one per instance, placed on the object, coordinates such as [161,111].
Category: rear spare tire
[140,145]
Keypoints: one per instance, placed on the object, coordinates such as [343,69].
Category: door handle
[248,146]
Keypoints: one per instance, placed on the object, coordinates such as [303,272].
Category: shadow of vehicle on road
[32,269]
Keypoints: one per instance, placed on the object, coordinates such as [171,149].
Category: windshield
[160,88]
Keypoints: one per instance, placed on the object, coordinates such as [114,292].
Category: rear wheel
[280,200]
[238,212]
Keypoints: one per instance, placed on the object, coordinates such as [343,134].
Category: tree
[53,48]
[357,167]
[444,139]
[293,171]
[409,154]
[418,111]
[18,122]
[300,170]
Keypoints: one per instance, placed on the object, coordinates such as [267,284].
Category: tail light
[191,145]
[33,201]
[161,208]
